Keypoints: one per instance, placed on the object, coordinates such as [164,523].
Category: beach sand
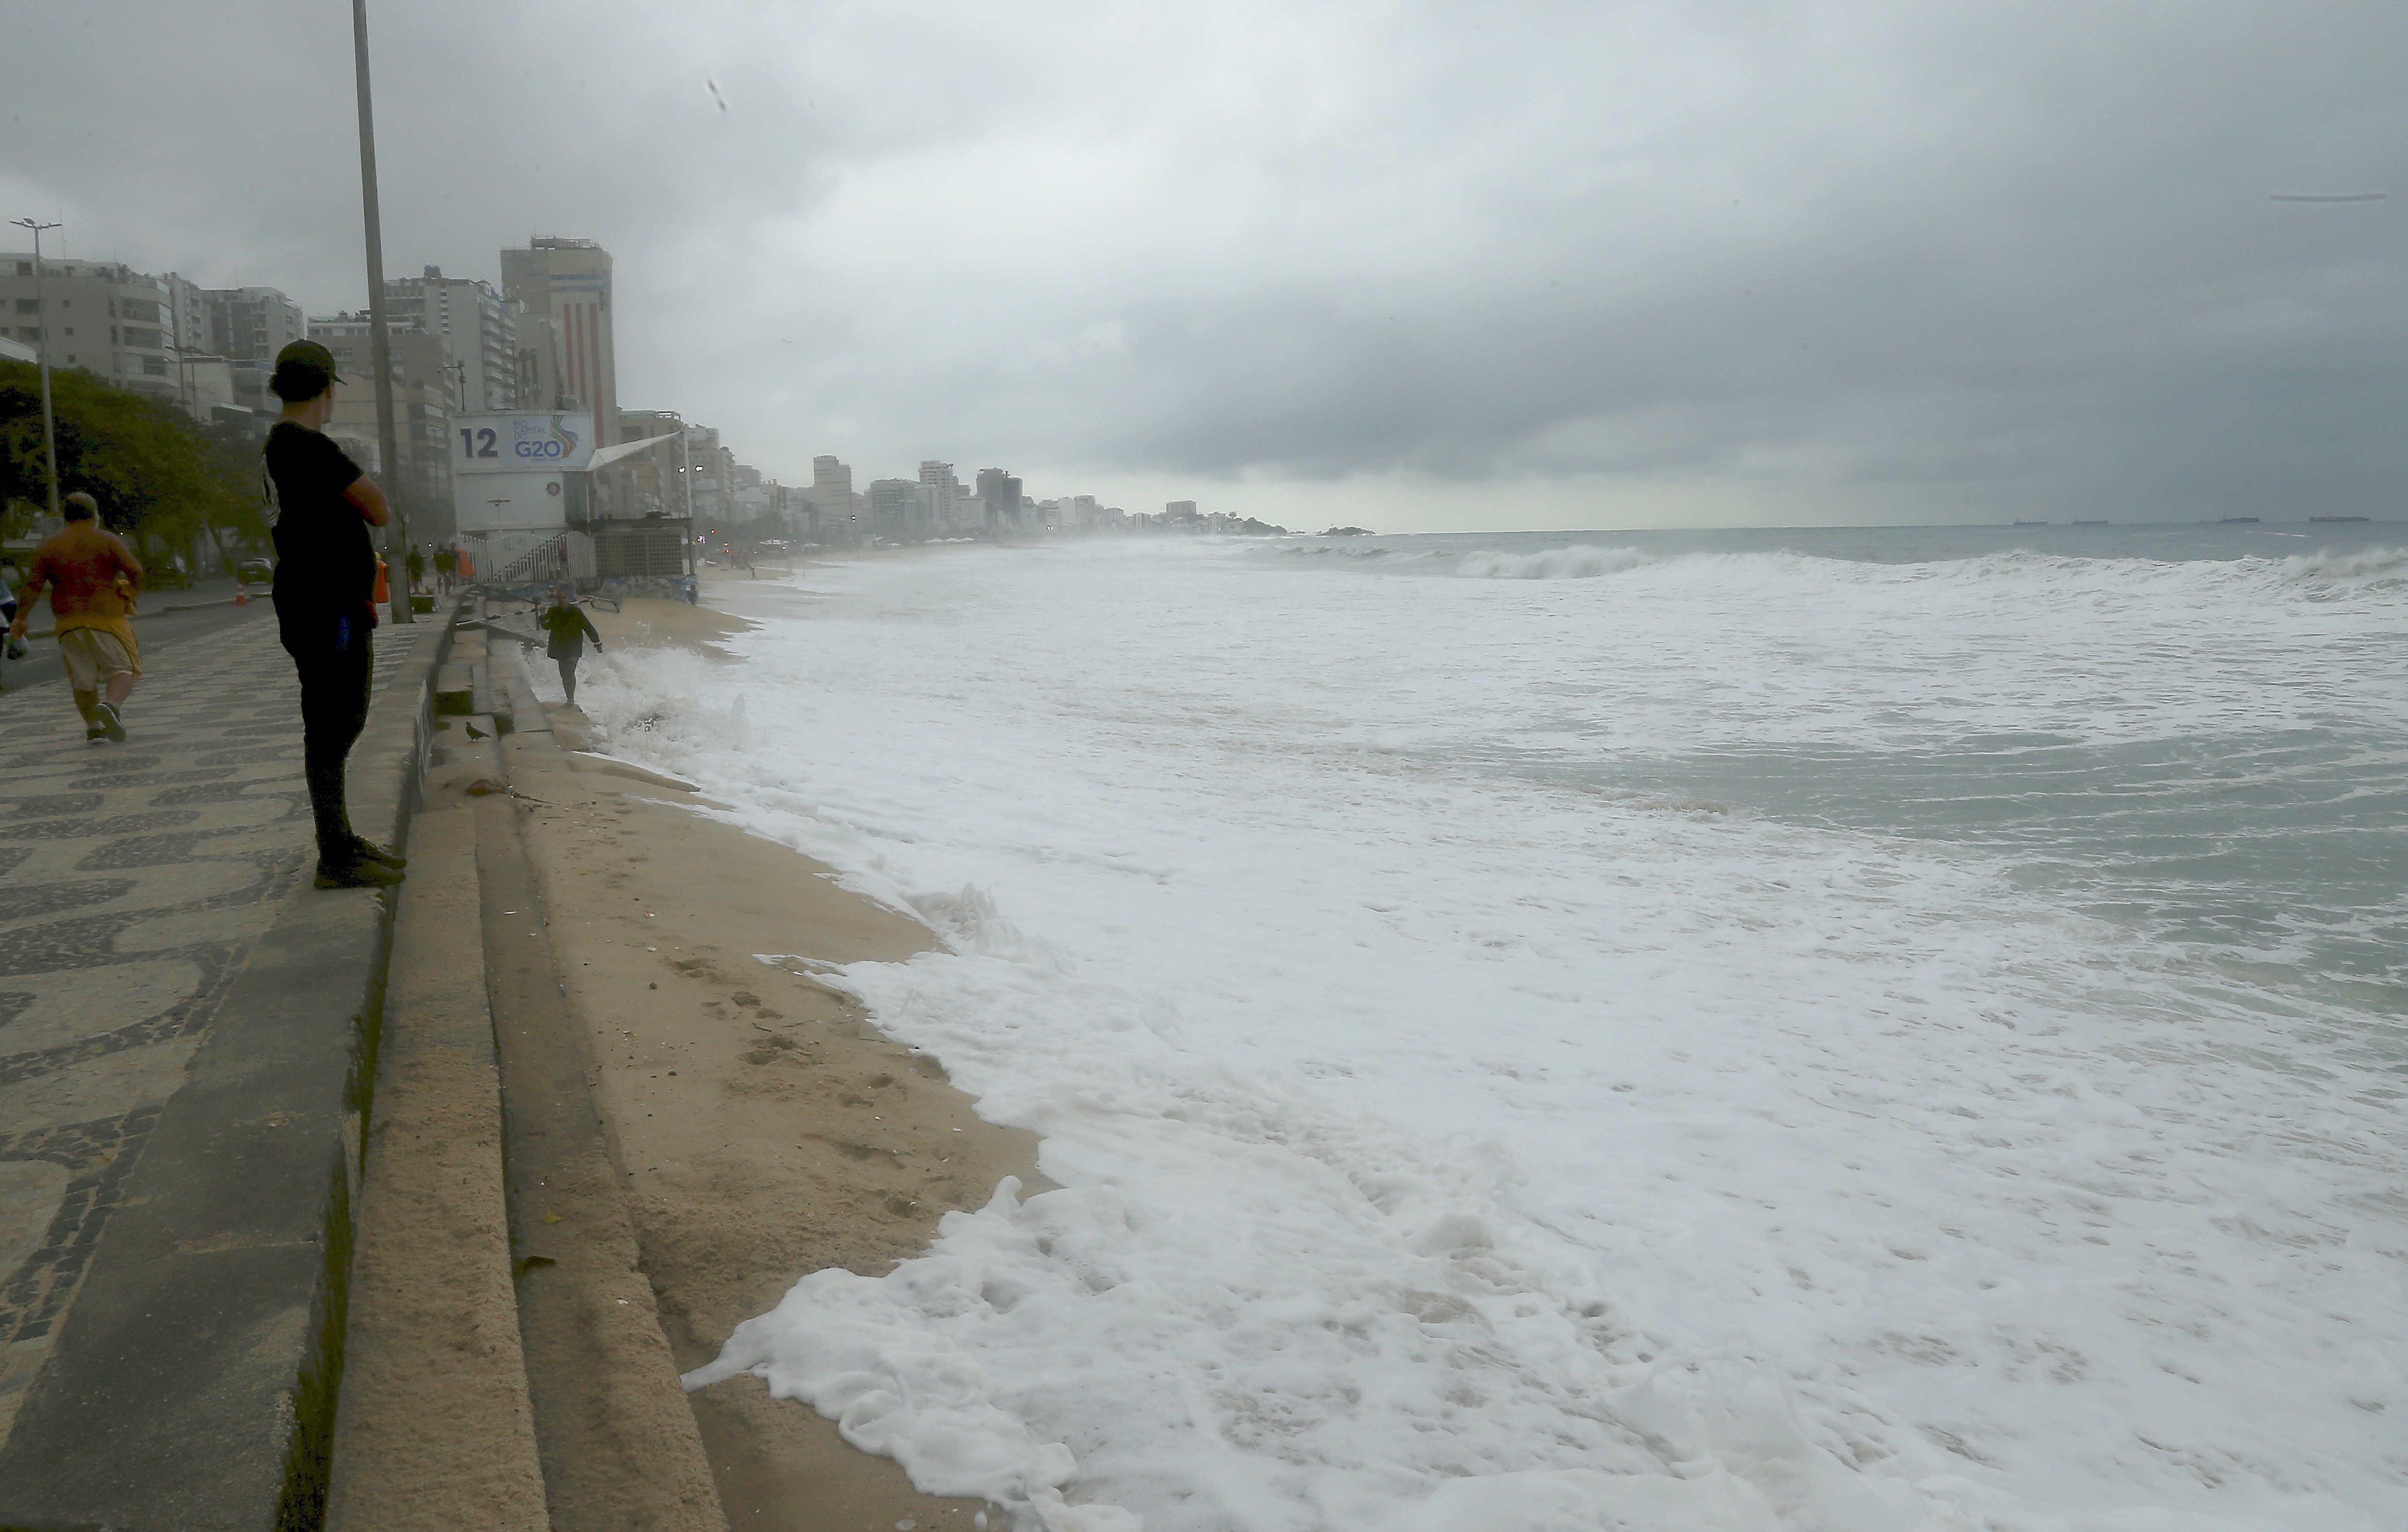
[766,1129]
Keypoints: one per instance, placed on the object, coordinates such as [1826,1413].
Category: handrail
[546,560]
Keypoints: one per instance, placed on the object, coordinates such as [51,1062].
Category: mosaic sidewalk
[135,881]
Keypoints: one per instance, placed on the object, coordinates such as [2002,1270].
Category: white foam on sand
[1445,1151]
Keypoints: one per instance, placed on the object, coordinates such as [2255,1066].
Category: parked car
[254,571]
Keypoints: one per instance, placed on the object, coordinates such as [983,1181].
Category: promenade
[167,974]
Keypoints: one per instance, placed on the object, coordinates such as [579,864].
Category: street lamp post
[380,339]
[184,355]
[49,432]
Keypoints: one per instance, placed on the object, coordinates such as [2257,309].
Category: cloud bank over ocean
[1580,263]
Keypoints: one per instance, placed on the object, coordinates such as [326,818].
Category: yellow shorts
[94,654]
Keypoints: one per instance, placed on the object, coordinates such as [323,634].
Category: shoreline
[764,1128]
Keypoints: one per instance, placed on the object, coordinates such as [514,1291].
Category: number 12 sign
[515,443]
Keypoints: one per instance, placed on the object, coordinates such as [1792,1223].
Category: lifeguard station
[536,506]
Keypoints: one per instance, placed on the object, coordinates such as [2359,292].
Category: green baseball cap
[308,353]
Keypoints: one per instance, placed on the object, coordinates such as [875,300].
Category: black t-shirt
[326,565]
[569,628]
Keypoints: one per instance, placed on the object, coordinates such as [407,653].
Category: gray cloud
[1982,261]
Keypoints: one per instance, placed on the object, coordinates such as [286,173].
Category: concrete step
[435,1431]
[618,1441]
[455,689]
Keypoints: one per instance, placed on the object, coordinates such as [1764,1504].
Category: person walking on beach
[569,628]
[324,594]
[91,577]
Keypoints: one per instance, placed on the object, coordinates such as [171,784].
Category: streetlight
[50,433]
[380,341]
[184,355]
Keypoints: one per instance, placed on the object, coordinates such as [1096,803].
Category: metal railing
[562,558]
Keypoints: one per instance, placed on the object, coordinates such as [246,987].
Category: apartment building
[568,359]
[477,322]
[423,405]
[101,316]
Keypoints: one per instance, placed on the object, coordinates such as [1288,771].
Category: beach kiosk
[533,510]
[519,486]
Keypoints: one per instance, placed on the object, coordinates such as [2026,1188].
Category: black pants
[335,680]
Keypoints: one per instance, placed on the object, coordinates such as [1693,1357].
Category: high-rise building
[894,506]
[832,478]
[540,383]
[480,325]
[101,316]
[422,402]
[247,326]
[712,467]
[941,497]
[999,495]
[566,283]
[655,480]
[248,323]
[207,383]
[202,346]
[832,494]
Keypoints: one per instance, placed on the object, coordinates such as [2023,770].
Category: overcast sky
[1415,265]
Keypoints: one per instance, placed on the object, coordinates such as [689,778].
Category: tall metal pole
[42,302]
[379,340]
[685,451]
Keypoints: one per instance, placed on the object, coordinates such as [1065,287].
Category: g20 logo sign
[531,441]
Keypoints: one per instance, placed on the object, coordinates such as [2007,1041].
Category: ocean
[1847,1029]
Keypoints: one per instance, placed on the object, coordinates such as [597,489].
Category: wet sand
[766,1129]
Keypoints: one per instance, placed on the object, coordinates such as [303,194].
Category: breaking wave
[2379,565]
[1579,561]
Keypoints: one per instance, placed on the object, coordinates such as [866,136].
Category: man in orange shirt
[91,577]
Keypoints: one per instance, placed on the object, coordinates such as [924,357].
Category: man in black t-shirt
[325,600]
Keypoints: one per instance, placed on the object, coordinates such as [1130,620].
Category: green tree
[161,479]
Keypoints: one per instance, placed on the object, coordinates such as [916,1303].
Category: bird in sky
[715,93]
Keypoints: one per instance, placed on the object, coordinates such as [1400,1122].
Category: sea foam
[1445,1146]
[1574,562]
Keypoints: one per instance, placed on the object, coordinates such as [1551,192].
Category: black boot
[366,849]
[357,873]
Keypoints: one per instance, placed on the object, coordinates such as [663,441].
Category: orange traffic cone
[241,597]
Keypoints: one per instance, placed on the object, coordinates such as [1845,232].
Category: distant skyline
[1402,265]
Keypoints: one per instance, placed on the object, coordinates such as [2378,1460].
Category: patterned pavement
[134,881]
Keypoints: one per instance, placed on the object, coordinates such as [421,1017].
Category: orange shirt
[92,576]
